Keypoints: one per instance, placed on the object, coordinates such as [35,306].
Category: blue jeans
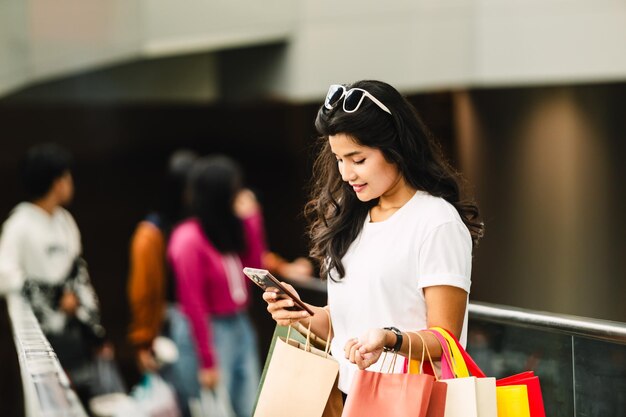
[236,346]
[182,374]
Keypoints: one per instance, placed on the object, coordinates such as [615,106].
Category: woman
[207,253]
[388,227]
[151,291]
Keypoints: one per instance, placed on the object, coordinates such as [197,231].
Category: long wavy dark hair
[215,182]
[334,212]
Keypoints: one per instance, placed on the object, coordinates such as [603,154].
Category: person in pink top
[207,253]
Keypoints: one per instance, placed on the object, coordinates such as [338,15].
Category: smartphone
[264,279]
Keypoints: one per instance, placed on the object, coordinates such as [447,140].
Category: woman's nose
[347,174]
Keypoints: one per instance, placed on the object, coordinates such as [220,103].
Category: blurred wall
[188,78]
[44,39]
[547,167]
[416,45]
[171,28]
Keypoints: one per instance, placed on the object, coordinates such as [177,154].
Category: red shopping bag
[535,399]
[437,403]
[376,394]
[528,378]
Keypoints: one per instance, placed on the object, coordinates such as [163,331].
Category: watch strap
[398,345]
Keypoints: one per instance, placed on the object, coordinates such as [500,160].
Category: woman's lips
[358,187]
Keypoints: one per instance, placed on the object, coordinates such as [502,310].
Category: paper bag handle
[394,358]
[330,330]
[458,364]
[446,358]
[464,357]
[430,359]
[307,346]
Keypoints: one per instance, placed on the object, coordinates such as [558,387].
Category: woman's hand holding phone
[278,305]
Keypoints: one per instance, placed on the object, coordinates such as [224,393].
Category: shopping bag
[375,394]
[212,402]
[299,379]
[513,401]
[533,390]
[528,378]
[334,406]
[116,404]
[155,397]
[106,377]
[467,395]
[437,403]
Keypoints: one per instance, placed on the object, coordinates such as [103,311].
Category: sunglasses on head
[352,98]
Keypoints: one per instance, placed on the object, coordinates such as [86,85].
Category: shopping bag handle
[465,359]
[395,357]
[430,358]
[446,358]
[307,346]
[330,331]
[458,361]
[392,364]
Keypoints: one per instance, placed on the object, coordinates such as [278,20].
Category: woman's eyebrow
[349,154]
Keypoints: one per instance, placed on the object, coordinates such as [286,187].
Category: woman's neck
[47,204]
[390,202]
[396,196]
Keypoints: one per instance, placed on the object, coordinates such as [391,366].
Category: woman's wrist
[319,326]
[393,339]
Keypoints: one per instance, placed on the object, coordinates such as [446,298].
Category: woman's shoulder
[433,210]
[185,232]
[147,232]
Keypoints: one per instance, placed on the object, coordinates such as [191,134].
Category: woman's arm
[190,271]
[446,308]
[11,273]
[146,284]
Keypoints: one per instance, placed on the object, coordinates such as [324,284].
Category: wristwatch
[398,344]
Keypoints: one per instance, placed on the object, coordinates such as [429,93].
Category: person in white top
[40,258]
[389,227]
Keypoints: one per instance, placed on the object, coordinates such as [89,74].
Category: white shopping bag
[471,397]
[212,403]
[155,397]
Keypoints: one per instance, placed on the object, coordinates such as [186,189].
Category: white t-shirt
[424,243]
[37,245]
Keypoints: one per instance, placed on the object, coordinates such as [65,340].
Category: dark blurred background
[527,104]
[543,162]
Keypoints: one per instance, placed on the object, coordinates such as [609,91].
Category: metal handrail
[574,325]
[47,390]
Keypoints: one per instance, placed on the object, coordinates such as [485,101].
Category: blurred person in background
[300,269]
[207,254]
[151,289]
[40,256]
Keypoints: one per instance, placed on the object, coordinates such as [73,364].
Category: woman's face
[365,169]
